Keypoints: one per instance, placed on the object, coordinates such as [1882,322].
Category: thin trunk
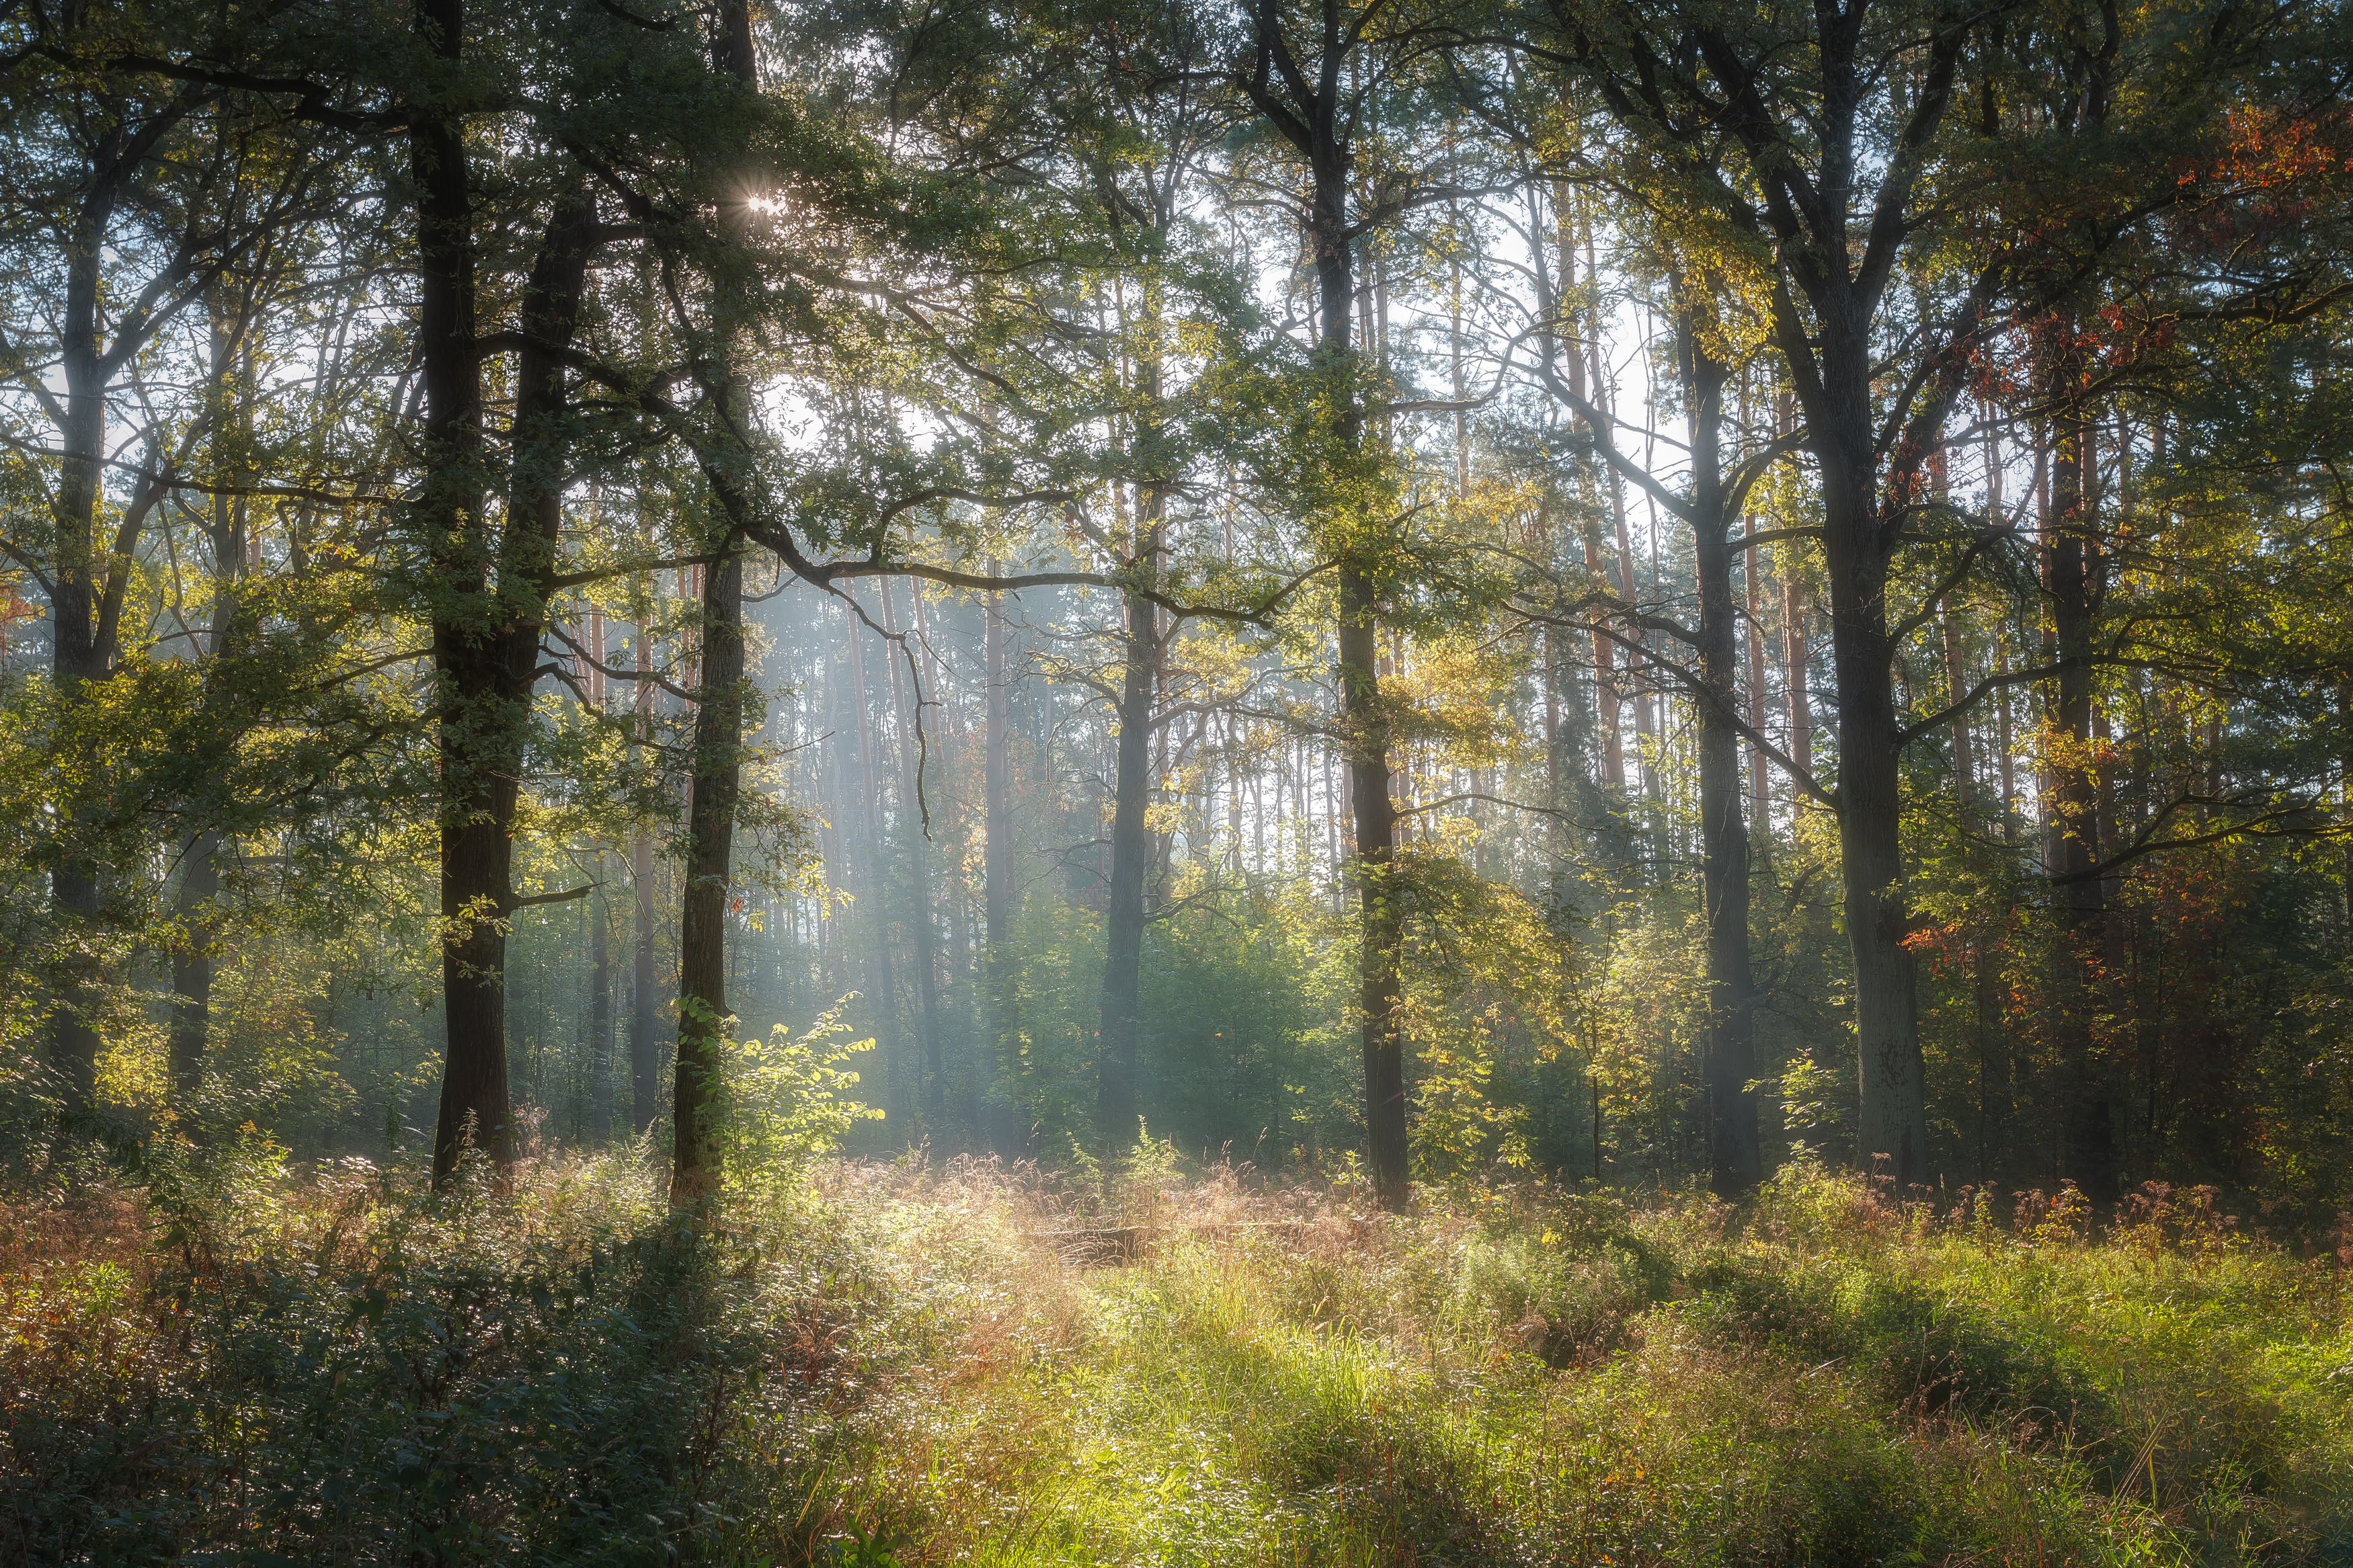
[1610,710]
[645,1064]
[192,967]
[1796,654]
[882,991]
[193,953]
[920,914]
[1760,778]
[1131,855]
[600,1005]
[1964,776]
[2073,580]
[996,787]
[1734,1155]
[2003,754]
[1365,713]
[1645,738]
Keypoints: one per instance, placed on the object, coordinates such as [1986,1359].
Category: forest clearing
[894,1368]
[1152,781]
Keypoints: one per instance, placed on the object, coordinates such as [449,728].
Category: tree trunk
[1893,1110]
[1383,915]
[1364,712]
[1733,1156]
[79,655]
[707,897]
[192,955]
[645,1063]
[600,1005]
[702,1016]
[998,875]
[1761,776]
[1131,858]
[920,917]
[1957,684]
[2073,585]
[1796,655]
[476,794]
[881,986]
[191,968]
[1609,708]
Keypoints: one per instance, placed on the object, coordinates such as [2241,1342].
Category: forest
[903,782]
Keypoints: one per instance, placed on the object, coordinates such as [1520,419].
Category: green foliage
[785,1101]
[894,1367]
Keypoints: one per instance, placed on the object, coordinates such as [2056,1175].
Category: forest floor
[892,1365]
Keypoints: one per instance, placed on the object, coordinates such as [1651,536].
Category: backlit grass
[237,1364]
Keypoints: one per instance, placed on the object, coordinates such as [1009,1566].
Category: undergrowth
[224,1363]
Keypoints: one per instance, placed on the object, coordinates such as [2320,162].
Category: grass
[231,1364]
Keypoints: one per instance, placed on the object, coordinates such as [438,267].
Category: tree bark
[921,915]
[2073,584]
[882,987]
[79,653]
[1761,776]
[191,968]
[645,1062]
[1797,654]
[1893,1121]
[1306,111]
[1733,1156]
[998,891]
[474,849]
[702,1016]
[707,897]
[600,1005]
[1130,858]
[192,955]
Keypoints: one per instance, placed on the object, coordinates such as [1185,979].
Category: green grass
[238,1366]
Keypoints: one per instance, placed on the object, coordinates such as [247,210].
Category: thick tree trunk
[1857,547]
[702,1016]
[1893,1110]
[1364,710]
[1893,1132]
[719,716]
[476,794]
[487,645]
[1313,120]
